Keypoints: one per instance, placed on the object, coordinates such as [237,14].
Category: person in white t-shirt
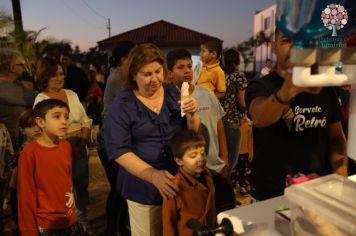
[211,112]
[266,69]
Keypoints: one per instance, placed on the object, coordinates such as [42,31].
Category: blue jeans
[80,177]
[233,139]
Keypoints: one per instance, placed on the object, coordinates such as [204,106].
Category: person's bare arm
[241,96]
[85,134]
[337,148]
[250,144]
[161,179]
[222,142]
[190,108]
[220,85]
[223,153]
[219,94]
[193,122]
[266,111]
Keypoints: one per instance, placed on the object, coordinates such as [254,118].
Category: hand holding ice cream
[188,104]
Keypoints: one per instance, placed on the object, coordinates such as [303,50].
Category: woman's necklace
[154,103]
[61,95]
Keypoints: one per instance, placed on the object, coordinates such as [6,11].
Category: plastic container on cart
[324,206]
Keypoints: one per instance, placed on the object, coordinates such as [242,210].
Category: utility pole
[16,9]
[109,27]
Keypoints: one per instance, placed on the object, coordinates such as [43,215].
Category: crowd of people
[176,144]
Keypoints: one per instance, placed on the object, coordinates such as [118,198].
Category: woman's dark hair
[120,51]
[140,56]
[231,60]
[45,69]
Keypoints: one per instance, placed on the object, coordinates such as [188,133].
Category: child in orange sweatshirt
[245,157]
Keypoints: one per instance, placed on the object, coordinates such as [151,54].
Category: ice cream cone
[288,118]
[184,94]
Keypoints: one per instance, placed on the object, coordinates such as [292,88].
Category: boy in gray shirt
[211,113]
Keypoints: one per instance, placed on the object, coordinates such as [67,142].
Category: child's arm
[169,217]
[220,86]
[27,194]
[250,143]
[219,94]
[85,121]
[223,153]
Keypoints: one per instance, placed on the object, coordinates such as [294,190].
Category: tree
[54,48]
[6,24]
[5,20]
[77,55]
[262,39]
[95,55]
[253,43]
[28,43]
[244,50]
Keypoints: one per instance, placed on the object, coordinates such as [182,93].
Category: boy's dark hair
[214,45]
[185,140]
[177,54]
[27,119]
[41,108]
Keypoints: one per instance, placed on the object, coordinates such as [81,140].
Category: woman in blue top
[137,130]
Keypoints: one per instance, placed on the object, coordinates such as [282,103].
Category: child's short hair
[177,54]
[214,44]
[185,140]
[41,108]
[27,119]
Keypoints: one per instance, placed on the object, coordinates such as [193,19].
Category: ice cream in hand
[288,118]
[184,94]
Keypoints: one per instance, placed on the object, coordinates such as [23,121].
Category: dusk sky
[83,22]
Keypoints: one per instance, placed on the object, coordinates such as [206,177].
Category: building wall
[264,20]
